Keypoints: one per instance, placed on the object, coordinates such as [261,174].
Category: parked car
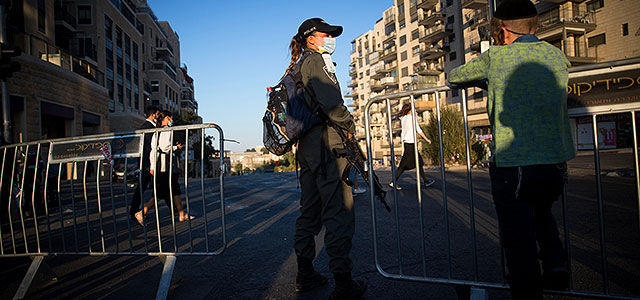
[133,170]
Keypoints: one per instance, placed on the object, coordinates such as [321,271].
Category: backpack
[288,117]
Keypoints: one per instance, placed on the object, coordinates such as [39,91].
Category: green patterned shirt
[527,102]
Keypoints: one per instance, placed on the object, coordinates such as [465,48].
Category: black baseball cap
[515,9]
[316,24]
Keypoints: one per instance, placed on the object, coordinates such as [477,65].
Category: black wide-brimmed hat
[515,9]
[316,24]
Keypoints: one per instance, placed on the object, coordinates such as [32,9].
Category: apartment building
[417,42]
[91,66]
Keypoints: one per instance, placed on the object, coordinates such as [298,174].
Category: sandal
[186,217]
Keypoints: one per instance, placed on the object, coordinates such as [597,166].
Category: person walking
[527,106]
[325,199]
[408,160]
[160,158]
[145,173]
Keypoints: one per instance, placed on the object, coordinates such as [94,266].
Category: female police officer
[325,198]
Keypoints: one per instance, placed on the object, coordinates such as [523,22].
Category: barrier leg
[169,262]
[28,278]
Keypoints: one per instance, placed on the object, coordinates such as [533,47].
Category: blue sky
[235,49]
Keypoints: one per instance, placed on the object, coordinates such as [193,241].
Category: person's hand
[349,135]
[179,146]
[429,141]
[151,171]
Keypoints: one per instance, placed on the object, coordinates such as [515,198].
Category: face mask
[170,123]
[329,45]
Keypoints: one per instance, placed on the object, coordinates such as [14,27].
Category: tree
[453,139]
[250,150]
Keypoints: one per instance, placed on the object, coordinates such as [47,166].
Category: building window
[84,14]
[42,16]
[454,93]
[405,71]
[625,29]
[360,75]
[452,38]
[155,86]
[415,34]
[449,2]
[416,50]
[452,56]
[599,39]
[401,23]
[450,19]
[403,56]
[595,4]
[403,40]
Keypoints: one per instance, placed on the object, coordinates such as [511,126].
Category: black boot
[346,288]
[307,278]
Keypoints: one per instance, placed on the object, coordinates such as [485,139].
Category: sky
[234,50]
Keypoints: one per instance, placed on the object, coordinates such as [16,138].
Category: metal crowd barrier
[473,285]
[77,208]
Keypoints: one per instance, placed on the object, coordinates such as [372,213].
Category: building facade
[417,42]
[90,66]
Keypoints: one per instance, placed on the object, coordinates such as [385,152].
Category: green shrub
[453,139]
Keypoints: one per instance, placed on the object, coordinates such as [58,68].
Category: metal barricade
[435,263]
[72,196]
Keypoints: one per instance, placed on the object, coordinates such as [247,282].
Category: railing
[432,262]
[62,15]
[72,197]
[39,48]
[557,15]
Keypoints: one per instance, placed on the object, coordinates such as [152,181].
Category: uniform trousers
[325,201]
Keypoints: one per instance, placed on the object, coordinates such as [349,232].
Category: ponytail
[296,47]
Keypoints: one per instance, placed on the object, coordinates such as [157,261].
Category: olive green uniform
[325,198]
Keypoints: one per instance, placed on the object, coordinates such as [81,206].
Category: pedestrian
[325,199]
[527,106]
[161,153]
[408,160]
[145,173]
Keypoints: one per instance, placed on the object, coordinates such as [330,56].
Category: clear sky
[234,50]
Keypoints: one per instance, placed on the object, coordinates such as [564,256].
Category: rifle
[356,159]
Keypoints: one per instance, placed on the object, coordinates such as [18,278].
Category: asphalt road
[259,262]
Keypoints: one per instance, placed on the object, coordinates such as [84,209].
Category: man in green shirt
[531,142]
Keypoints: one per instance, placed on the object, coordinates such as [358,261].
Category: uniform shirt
[319,77]
[527,102]
[408,134]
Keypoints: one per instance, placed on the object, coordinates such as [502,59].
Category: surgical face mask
[170,123]
[329,45]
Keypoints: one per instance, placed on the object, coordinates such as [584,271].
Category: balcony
[578,54]
[147,87]
[374,57]
[165,50]
[480,18]
[432,19]
[389,81]
[352,83]
[475,45]
[389,54]
[426,4]
[64,19]
[377,70]
[390,19]
[434,52]
[424,105]
[83,48]
[553,23]
[390,37]
[376,86]
[431,68]
[167,67]
[36,47]
[475,4]
[390,67]
[435,33]
[352,70]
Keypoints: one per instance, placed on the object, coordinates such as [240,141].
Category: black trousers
[325,201]
[523,197]
[145,181]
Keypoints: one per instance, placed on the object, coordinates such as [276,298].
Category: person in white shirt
[408,161]
[161,149]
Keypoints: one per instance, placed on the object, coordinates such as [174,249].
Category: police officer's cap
[317,24]
[515,9]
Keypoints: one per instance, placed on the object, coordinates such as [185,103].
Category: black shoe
[428,183]
[355,290]
[556,279]
[305,283]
